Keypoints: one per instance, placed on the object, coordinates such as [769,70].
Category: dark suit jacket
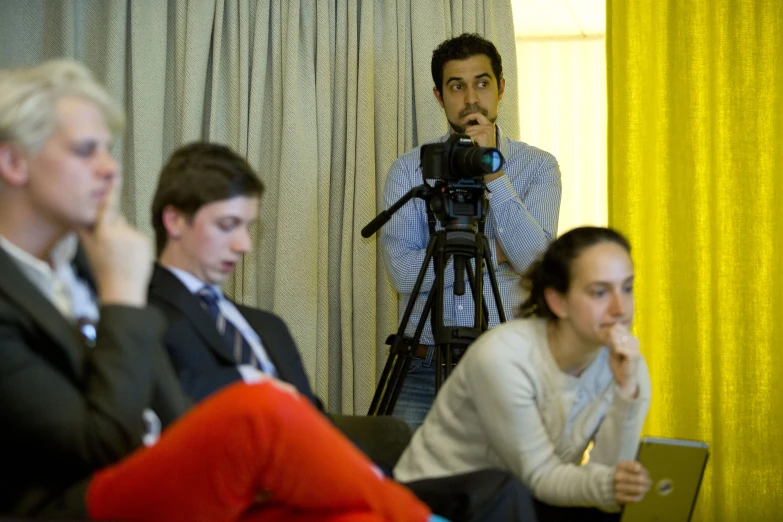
[200,356]
[67,410]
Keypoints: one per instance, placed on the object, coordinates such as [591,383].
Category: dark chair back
[382,438]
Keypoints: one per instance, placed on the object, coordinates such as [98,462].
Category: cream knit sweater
[507,405]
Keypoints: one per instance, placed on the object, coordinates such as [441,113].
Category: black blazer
[200,356]
[67,410]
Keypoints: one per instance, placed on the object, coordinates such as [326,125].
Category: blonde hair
[29,96]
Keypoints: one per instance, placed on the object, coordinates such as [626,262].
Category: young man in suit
[82,409]
[206,201]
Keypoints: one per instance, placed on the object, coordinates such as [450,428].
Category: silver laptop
[676,468]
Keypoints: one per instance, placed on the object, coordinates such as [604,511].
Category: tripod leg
[389,369]
[398,363]
[398,378]
[481,319]
[493,282]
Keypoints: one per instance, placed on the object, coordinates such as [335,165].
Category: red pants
[245,443]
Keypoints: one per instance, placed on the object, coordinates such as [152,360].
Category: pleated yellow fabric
[696,181]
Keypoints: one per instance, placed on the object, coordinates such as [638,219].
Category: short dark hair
[197,174]
[553,269]
[463,47]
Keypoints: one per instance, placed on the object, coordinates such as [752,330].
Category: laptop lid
[676,468]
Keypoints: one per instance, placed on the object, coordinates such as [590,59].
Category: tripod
[461,238]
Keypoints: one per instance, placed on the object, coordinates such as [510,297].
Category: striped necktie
[233,338]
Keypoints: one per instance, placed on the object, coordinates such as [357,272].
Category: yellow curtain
[696,181]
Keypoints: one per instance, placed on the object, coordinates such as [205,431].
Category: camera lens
[491,160]
[471,162]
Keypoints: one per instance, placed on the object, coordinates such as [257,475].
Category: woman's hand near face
[624,358]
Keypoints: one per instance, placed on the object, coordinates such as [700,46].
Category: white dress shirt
[57,280]
[249,373]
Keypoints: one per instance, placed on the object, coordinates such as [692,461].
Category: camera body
[458,158]
[458,166]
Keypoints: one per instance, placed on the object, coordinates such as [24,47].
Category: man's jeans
[418,392]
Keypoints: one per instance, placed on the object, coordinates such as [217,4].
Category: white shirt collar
[191,282]
[62,255]
[57,280]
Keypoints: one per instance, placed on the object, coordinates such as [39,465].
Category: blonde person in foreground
[531,395]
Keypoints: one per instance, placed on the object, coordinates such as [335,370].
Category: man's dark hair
[463,47]
[198,174]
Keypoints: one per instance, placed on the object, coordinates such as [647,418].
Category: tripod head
[460,205]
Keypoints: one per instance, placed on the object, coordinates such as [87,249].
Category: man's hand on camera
[479,129]
[482,132]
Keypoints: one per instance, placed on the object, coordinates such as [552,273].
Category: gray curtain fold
[320,95]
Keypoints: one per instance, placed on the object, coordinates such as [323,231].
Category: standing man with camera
[524,203]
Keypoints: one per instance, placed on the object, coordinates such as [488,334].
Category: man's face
[211,243]
[469,86]
[68,178]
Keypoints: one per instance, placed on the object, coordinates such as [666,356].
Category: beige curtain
[321,96]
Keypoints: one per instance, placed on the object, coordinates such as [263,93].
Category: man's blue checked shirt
[523,211]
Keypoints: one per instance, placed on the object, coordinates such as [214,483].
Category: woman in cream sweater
[532,395]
